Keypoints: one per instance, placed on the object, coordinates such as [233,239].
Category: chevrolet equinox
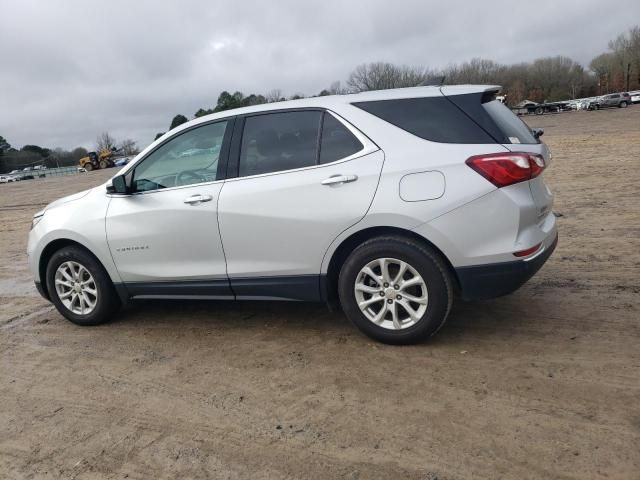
[386,202]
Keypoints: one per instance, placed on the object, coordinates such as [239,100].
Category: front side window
[275,142]
[189,158]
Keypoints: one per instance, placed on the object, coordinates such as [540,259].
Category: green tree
[178,120]
[158,135]
[43,152]
[4,145]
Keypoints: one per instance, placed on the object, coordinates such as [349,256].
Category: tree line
[32,155]
[544,79]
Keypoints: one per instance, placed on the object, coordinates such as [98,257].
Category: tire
[421,262]
[88,167]
[105,301]
[623,105]
[103,164]
[539,111]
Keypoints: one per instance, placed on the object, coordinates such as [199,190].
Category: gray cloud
[69,70]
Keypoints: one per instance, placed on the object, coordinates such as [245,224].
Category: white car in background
[386,202]
[7,178]
[635,96]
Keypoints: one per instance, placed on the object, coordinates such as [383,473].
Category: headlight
[36,219]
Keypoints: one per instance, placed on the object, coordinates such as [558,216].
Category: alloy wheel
[76,288]
[391,293]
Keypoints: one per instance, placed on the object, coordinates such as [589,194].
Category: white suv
[387,202]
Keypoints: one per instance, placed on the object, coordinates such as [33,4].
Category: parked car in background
[360,200]
[620,100]
[27,173]
[635,96]
[7,178]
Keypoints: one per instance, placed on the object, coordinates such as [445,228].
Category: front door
[164,237]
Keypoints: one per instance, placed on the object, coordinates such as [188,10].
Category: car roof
[328,101]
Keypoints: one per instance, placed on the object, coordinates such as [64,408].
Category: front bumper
[41,290]
[480,282]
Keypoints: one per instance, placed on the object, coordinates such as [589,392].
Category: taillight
[504,169]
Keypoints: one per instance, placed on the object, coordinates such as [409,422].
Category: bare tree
[105,141]
[382,75]
[274,95]
[129,147]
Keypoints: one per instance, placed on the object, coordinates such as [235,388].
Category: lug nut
[386,285]
[396,287]
[398,297]
[389,301]
[382,294]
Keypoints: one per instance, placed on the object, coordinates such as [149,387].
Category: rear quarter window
[432,118]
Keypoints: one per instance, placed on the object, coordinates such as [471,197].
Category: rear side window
[432,118]
[337,141]
[279,141]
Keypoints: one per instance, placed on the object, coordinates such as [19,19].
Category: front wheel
[80,288]
[395,290]
[623,104]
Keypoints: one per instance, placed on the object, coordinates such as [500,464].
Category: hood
[67,199]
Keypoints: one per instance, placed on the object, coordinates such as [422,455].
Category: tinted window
[337,141]
[614,96]
[279,141]
[191,157]
[509,125]
[432,118]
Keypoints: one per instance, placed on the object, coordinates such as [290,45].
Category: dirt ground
[544,383]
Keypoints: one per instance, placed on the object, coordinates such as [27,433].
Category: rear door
[302,177]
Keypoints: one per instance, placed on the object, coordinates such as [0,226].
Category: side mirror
[537,132]
[118,185]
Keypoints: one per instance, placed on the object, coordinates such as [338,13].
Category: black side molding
[305,288]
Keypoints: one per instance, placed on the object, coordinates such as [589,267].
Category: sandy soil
[544,383]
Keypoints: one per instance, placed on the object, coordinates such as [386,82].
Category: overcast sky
[71,69]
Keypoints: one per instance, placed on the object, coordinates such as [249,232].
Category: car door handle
[195,199]
[333,179]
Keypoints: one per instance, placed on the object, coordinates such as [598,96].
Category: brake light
[504,169]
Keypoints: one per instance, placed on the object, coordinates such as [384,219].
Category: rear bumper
[480,282]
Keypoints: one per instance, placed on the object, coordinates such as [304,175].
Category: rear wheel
[88,167]
[395,290]
[103,164]
[623,104]
[80,288]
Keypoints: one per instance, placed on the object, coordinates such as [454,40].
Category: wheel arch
[51,248]
[340,254]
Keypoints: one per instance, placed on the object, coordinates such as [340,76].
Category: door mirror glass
[118,185]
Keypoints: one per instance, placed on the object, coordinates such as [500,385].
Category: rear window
[510,126]
[432,118]
[468,118]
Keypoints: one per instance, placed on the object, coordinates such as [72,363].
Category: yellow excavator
[94,161]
